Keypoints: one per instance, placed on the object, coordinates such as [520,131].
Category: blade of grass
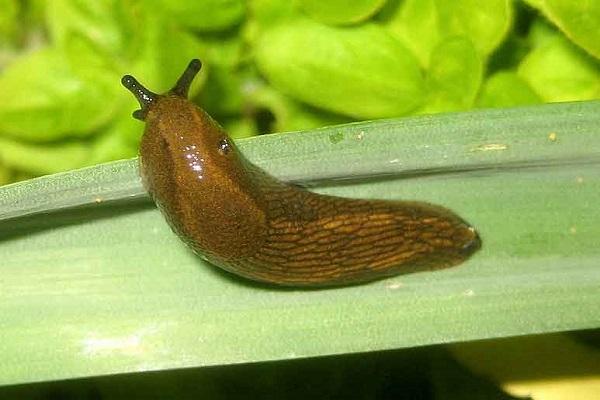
[107,288]
[480,139]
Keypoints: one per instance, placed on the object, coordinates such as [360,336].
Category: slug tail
[353,241]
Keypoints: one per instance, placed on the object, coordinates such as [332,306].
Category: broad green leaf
[485,23]
[5,175]
[415,22]
[205,15]
[341,12]
[454,76]
[108,288]
[43,98]
[43,159]
[579,20]
[422,24]
[120,141]
[165,53]
[558,71]
[224,92]
[124,125]
[535,3]
[224,50]
[541,33]
[360,72]
[267,13]
[136,37]
[240,127]
[506,89]
[289,114]
[114,26]
[8,20]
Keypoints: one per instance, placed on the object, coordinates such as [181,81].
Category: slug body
[249,223]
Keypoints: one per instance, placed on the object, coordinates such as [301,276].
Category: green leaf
[240,127]
[5,175]
[415,22]
[120,140]
[341,12]
[165,52]
[422,24]
[8,20]
[112,25]
[541,33]
[205,15]
[108,288]
[506,89]
[224,92]
[137,39]
[43,159]
[224,50]
[267,13]
[579,20]
[289,114]
[485,23]
[44,98]
[535,3]
[454,76]
[361,71]
[558,71]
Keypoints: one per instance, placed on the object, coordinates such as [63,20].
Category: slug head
[147,98]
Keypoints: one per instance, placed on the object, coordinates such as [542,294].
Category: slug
[245,221]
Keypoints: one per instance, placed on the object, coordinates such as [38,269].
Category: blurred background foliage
[274,65]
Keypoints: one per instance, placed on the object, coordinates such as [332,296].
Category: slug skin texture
[251,224]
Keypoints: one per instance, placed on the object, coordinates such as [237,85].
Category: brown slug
[251,224]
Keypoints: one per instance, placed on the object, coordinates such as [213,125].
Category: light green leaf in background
[206,15]
[486,23]
[535,3]
[238,127]
[422,24]
[224,93]
[223,49]
[5,175]
[108,288]
[8,20]
[415,22]
[267,13]
[112,25]
[162,54]
[291,115]
[541,33]
[341,12]
[119,140]
[44,159]
[559,71]
[361,72]
[579,20]
[454,76]
[43,98]
[507,89]
[166,51]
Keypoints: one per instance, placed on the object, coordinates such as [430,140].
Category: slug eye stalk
[184,82]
